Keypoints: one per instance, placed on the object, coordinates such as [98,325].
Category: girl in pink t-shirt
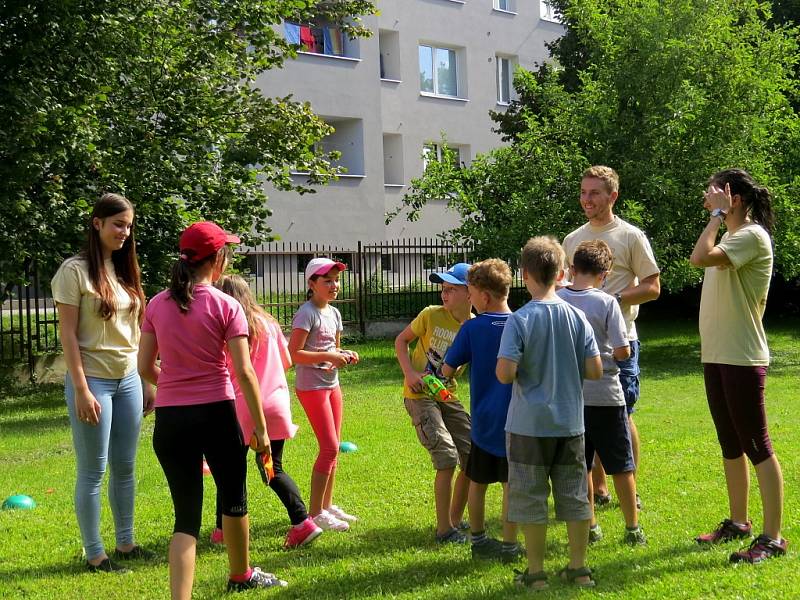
[269,353]
[190,327]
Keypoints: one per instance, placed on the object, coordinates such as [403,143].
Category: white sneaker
[327,522]
[341,515]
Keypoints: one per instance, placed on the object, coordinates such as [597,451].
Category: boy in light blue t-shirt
[546,351]
[477,343]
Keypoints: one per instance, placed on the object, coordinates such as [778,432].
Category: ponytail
[761,208]
[184,274]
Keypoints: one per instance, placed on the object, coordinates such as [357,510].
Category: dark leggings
[283,485]
[182,436]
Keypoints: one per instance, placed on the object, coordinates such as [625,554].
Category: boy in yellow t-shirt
[443,426]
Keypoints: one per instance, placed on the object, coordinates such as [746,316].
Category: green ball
[347,447]
[19,501]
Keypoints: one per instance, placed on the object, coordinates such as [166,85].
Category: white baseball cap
[320,266]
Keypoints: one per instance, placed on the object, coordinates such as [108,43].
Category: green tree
[667,93]
[156,99]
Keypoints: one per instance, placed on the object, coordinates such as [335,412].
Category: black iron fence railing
[384,281]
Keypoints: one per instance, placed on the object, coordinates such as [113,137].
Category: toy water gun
[264,463]
[436,388]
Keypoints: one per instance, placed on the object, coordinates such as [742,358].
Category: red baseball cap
[203,239]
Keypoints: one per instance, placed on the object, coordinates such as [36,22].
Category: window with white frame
[548,12]
[433,152]
[504,75]
[438,71]
[506,5]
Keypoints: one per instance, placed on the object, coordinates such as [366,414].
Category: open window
[321,38]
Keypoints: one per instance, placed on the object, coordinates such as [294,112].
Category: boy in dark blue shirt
[477,343]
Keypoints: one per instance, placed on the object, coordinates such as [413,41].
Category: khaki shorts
[443,429]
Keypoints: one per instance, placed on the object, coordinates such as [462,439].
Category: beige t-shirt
[734,298]
[108,348]
[633,259]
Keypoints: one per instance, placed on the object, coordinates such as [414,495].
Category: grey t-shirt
[550,342]
[322,325]
[604,315]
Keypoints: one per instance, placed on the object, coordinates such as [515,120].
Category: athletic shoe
[726,532]
[107,566]
[602,500]
[327,522]
[488,549]
[454,536]
[595,534]
[635,537]
[135,553]
[302,534]
[340,514]
[760,549]
[511,554]
[216,537]
[462,525]
[258,579]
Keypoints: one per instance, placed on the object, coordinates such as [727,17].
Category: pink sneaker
[216,536]
[302,534]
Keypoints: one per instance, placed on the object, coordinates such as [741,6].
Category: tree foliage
[156,99]
[667,93]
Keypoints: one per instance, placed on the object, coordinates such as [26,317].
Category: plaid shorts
[535,462]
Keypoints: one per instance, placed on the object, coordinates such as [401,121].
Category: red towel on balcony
[307,39]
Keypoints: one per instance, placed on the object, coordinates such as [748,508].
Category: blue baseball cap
[457,275]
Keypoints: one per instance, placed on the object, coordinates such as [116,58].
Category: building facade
[432,68]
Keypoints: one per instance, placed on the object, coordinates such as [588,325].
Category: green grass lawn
[390,552]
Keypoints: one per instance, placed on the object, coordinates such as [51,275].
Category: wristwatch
[718,212]
[618,297]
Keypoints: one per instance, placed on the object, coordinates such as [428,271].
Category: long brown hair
[238,288]
[126,263]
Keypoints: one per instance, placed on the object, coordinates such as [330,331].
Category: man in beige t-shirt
[633,280]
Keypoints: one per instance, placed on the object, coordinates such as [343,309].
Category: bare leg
[625,484]
[319,484]
[599,480]
[590,480]
[578,534]
[737,478]
[770,485]
[477,505]
[182,550]
[459,500]
[509,528]
[236,531]
[535,539]
[634,443]
[442,492]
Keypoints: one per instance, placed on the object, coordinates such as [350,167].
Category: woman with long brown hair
[100,304]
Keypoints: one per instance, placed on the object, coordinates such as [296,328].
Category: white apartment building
[432,67]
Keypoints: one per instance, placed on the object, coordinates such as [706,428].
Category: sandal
[528,580]
[572,575]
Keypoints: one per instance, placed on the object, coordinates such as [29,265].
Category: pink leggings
[324,411]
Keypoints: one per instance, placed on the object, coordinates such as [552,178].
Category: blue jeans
[629,376]
[113,440]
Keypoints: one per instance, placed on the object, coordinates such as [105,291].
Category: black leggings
[182,436]
[283,485]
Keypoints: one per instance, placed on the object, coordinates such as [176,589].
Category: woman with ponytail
[100,304]
[735,355]
[189,326]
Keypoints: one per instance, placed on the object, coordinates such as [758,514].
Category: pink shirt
[192,345]
[270,358]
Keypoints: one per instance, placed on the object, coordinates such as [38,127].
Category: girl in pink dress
[269,353]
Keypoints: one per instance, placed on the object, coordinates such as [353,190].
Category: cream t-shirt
[108,348]
[734,298]
[633,260]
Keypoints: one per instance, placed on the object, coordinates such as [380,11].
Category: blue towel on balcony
[292,32]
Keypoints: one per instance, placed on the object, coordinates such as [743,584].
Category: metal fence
[383,282]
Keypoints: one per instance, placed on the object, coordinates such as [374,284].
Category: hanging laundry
[292,32]
[307,39]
